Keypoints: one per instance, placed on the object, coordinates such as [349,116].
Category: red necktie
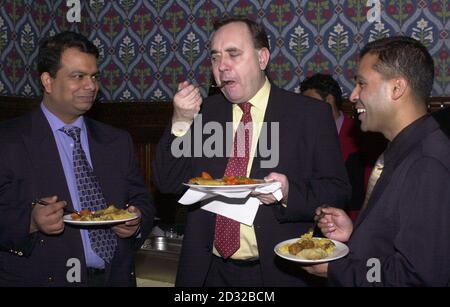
[226,236]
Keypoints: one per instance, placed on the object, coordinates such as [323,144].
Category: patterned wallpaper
[148,46]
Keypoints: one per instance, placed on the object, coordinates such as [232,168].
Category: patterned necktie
[103,241]
[374,176]
[227,231]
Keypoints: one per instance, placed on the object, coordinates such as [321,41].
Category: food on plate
[309,248]
[109,214]
[207,179]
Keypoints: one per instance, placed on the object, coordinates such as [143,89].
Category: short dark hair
[51,49]
[406,57]
[324,85]
[258,33]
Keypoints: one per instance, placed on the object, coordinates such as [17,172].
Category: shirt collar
[405,139]
[56,123]
[261,98]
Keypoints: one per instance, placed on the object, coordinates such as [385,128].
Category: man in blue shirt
[95,166]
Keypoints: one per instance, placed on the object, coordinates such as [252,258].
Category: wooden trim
[145,121]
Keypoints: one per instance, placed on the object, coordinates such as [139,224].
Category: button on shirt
[65,148]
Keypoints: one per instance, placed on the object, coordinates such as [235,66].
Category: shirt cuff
[179,129]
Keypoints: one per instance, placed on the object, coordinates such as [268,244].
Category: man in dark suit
[40,160]
[304,158]
[401,237]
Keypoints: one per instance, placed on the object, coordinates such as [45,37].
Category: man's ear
[263,57]
[330,99]
[399,88]
[46,81]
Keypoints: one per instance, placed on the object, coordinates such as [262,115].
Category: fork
[216,85]
[313,228]
[41,202]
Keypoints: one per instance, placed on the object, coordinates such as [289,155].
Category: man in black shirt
[401,235]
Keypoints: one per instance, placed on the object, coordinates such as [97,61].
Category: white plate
[68,219]
[228,188]
[340,251]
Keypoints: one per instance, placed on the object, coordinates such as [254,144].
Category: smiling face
[72,91]
[372,97]
[237,63]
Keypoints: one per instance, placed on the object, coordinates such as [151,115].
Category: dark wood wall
[145,121]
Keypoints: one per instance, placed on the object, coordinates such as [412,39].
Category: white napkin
[236,205]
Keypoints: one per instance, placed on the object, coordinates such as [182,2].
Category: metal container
[158,259]
[159,243]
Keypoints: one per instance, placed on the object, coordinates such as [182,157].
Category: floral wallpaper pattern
[148,46]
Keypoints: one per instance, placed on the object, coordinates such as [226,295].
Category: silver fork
[313,228]
[41,202]
[217,85]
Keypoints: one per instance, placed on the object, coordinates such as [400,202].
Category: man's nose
[354,95]
[223,64]
[90,83]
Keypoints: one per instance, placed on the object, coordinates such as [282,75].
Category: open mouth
[361,112]
[223,83]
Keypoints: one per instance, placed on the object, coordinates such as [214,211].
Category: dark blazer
[30,167]
[308,154]
[349,140]
[402,236]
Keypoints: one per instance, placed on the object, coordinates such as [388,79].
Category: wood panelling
[145,121]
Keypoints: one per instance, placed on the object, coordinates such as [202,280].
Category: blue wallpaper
[147,47]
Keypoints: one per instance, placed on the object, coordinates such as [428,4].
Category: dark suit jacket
[308,154]
[30,167]
[403,234]
[349,140]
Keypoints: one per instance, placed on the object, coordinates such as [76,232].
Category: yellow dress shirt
[248,247]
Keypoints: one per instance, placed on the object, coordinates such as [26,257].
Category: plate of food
[311,250]
[227,183]
[110,215]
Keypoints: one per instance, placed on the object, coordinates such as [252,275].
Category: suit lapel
[274,113]
[48,175]
[222,113]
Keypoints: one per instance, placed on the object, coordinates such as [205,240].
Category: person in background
[401,236]
[324,87]
[54,161]
[307,162]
